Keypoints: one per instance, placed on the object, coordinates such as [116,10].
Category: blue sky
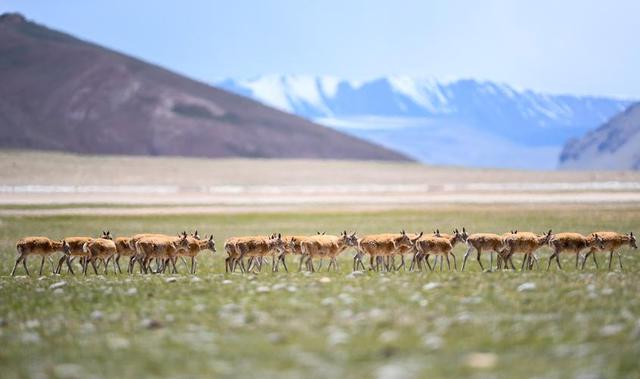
[579,47]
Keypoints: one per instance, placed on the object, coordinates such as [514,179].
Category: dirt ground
[58,183]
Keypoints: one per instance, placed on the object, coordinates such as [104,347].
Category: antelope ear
[279,236]
[437,231]
[211,237]
[463,231]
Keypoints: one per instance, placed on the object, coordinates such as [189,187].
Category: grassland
[404,324]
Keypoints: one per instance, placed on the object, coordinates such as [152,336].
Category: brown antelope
[572,243]
[439,245]
[162,248]
[327,246]
[381,246]
[293,247]
[98,249]
[41,246]
[133,240]
[612,241]
[191,247]
[234,253]
[75,251]
[123,249]
[253,247]
[526,243]
[485,242]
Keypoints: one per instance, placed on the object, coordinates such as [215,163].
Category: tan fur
[327,246]
[98,249]
[526,243]
[40,246]
[440,244]
[253,247]
[162,247]
[191,247]
[612,242]
[572,243]
[381,246]
[483,242]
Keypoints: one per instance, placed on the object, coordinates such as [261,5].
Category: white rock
[337,337]
[528,286]
[611,330]
[199,307]
[148,323]
[263,289]
[607,291]
[171,279]
[481,360]
[132,291]
[388,336]
[325,279]
[433,342]
[68,371]
[57,285]
[430,286]
[327,301]
[117,343]
[30,337]
[97,315]
[227,281]
[30,324]
[195,279]
[292,288]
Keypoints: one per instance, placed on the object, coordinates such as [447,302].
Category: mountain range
[58,92]
[461,122]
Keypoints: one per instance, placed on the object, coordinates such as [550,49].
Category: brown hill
[60,93]
[613,146]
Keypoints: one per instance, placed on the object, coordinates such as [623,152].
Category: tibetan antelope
[439,245]
[493,243]
[75,251]
[137,258]
[327,246]
[191,247]
[523,242]
[41,246]
[98,249]
[161,248]
[612,241]
[380,247]
[572,243]
[253,247]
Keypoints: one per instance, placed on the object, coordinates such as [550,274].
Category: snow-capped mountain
[463,122]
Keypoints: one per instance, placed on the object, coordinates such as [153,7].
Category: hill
[613,146]
[62,93]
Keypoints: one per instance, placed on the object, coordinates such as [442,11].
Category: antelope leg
[18,260]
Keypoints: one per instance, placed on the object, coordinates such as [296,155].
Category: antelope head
[107,235]
[276,242]
[632,240]
[597,241]
[66,249]
[349,239]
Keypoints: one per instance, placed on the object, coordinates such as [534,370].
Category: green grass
[278,325]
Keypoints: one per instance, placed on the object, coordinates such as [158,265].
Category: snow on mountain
[463,122]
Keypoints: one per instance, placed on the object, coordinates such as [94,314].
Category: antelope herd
[385,251]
